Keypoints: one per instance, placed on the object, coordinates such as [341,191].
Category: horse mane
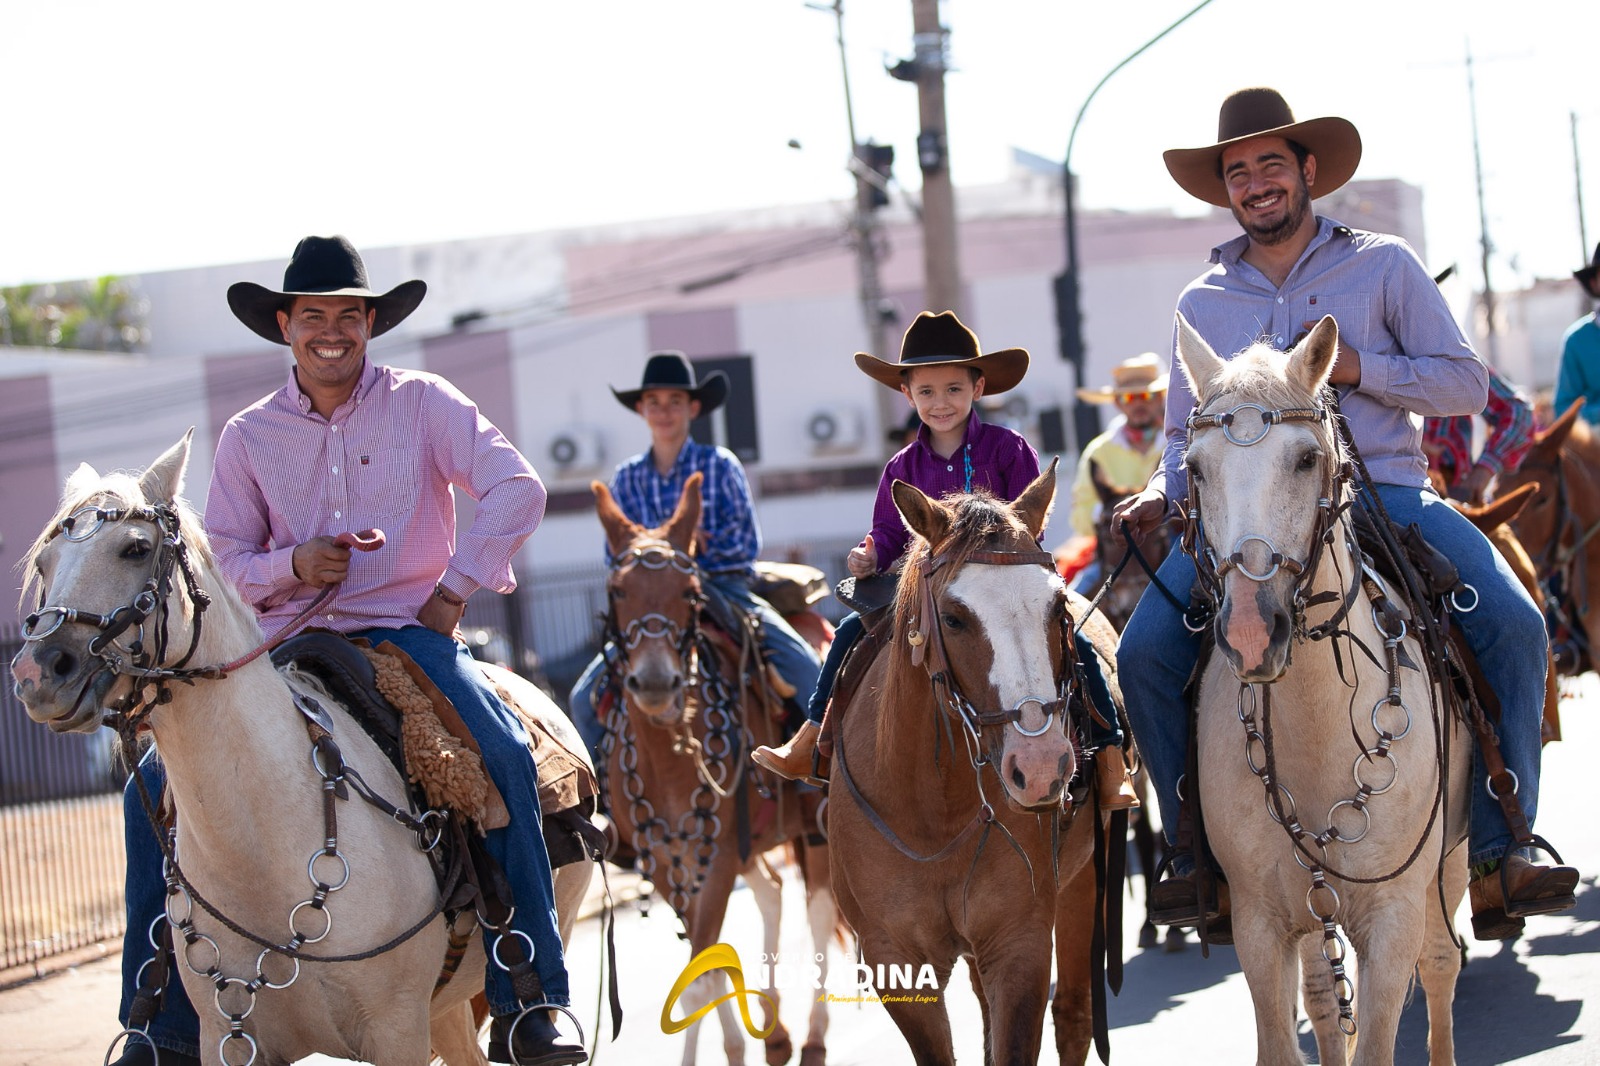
[977,520]
[1260,375]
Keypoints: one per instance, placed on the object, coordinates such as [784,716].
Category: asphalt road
[1526,1001]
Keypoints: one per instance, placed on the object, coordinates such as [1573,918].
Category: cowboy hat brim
[257,306]
[1001,370]
[1109,395]
[1333,141]
[711,392]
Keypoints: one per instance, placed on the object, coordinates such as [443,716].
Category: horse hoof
[1147,936]
[813,1055]
[1175,941]
[780,1049]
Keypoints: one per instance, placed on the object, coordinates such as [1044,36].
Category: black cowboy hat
[321,266]
[1585,275]
[941,340]
[672,370]
[1263,113]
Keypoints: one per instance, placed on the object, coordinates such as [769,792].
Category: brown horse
[677,773]
[1112,553]
[1494,521]
[1560,527]
[927,869]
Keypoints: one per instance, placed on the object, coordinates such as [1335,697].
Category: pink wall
[28,486]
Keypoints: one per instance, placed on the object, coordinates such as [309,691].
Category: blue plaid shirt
[731,539]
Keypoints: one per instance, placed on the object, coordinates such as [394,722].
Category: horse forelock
[1260,375]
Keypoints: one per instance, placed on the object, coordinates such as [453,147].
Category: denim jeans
[1506,632]
[794,659]
[518,847]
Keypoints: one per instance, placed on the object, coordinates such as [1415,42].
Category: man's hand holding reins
[321,561]
[1142,512]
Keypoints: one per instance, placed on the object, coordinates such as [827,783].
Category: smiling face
[943,396]
[328,335]
[668,413]
[1269,190]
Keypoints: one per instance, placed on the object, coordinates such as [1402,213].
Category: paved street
[1520,1002]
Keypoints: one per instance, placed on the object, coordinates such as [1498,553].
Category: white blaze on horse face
[1015,605]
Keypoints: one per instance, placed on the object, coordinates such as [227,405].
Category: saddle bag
[1437,575]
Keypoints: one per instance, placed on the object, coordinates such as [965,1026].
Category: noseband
[926,638]
[657,555]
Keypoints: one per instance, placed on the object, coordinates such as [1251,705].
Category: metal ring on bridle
[1226,420]
[1237,558]
[261,969]
[1043,706]
[1488,784]
[1455,601]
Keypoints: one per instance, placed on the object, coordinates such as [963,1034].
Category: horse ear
[1501,510]
[164,478]
[1311,361]
[80,482]
[685,521]
[620,530]
[924,516]
[1200,364]
[1551,439]
[1034,505]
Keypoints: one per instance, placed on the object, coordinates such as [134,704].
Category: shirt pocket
[384,485]
[1352,311]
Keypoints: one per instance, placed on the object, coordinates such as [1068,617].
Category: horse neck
[913,752]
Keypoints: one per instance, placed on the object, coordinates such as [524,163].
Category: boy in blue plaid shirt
[647,488]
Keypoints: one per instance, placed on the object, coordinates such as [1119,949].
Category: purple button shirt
[1001,461]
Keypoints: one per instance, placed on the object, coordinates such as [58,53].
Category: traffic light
[874,174]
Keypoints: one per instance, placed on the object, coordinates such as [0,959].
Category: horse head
[1262,461]
[654,592]
[993,635]
[1111,550]
[1557,465]
[109,574]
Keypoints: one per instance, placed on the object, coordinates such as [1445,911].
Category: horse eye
[136,549]
[1308,461]
[950,621]
[1196,474]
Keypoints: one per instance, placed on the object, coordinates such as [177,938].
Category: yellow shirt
[1121,464]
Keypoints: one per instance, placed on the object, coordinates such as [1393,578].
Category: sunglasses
[1133,397]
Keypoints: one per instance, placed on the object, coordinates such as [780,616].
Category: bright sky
[155,136]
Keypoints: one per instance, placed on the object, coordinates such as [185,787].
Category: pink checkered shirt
[386,460]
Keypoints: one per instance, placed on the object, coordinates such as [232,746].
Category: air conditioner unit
[576,449]
[835,429]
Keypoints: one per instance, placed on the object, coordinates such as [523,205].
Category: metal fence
[61,844]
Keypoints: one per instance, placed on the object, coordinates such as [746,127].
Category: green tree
[106,314]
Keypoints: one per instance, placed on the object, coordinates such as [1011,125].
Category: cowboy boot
[1175,899]
[1499,907]
[139,1053]
[531,1039]
[1113,783]
[795,759]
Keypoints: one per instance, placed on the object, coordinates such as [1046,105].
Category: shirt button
[1280,299]
[334,428]
[338,514]
[335,470]
[1277,338]
[330,618]
[949,468]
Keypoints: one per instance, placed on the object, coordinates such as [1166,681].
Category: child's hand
[863,559]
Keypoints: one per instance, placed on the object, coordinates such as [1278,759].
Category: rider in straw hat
[1400,354]
[1127,452]
[344,445]
[942,372]
[1579,376]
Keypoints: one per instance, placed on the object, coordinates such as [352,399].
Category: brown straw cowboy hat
[1263,113]
[1585,275]
[1142,373]
[321,266]
[941,340]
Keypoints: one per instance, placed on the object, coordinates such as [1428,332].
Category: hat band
[916,359]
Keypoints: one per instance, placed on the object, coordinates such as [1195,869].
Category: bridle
[657,555]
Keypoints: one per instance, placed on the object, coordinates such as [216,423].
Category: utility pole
[1585,301]
[940,256]
[1483,222]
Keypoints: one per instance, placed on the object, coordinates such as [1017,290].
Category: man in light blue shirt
[1400,354]
[1579,375]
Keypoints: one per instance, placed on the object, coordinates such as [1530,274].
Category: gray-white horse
[249,794]
[1321,788]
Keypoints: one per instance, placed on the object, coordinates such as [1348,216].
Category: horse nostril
[60,662]
[631,683]
[677,682]
[1018,778]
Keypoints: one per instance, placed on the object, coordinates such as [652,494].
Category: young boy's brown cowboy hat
[672,370]
[941,340]
[321,266]
[1263,113]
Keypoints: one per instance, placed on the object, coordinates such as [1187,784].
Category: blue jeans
[1506,633]
[794,659]
[518,847]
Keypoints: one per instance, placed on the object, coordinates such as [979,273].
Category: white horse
[1298,836]
[247,795]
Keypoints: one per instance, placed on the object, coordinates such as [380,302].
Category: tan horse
[249,800]
[929,864]
[1560,527]
[1313,856]
[678,778]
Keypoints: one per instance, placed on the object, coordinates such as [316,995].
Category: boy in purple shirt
[943,375]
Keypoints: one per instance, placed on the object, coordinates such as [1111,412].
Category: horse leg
[1440,963]
[454,1036]
[706,911]
[1390,948]
[571,888]
[822,916]
[766,888]
[983,1008]
[925,1026]
[1072,1008]
[1322,1002]
[1267,957]
[1016,984]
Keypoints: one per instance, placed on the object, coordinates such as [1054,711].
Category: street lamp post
[1069,315]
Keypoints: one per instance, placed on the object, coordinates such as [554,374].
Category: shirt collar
[968,435]
[1229,252]
[302,402]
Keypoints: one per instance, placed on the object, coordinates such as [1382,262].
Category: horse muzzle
[59,687]
[1255,633]
[1034,772]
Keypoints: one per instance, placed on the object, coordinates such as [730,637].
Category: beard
[1297,208]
